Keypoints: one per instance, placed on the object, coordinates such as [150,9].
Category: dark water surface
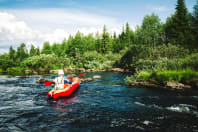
[102,105]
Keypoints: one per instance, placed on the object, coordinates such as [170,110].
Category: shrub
[41,62]
[190,61]
[143,75]
[130,79]
[157,65]
[15,69]
[185,76]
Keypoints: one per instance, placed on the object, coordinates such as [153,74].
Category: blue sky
[36,21]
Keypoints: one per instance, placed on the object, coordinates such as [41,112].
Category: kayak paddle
[81,75]
[49,83]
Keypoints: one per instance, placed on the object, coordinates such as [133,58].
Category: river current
[101,105]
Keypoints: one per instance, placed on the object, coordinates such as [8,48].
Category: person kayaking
[61,80]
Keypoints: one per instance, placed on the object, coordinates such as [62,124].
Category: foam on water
[183,108]
[138,103]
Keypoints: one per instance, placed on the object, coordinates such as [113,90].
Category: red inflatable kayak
[69,88]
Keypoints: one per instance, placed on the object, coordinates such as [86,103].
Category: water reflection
[60,105]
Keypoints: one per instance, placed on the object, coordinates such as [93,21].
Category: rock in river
[42,80]
[96,77]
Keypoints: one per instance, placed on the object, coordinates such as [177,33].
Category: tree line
[180,30]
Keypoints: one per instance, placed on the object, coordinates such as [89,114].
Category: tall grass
[162,77]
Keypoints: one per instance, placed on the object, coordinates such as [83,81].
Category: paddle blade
[48,83]
[81,75]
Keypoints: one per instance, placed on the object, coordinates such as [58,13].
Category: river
[101,105]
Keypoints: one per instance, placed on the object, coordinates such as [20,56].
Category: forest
[153,48]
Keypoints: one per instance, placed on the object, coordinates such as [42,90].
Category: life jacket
[59,83]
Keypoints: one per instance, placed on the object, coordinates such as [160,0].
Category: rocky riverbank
[169,85]
[95,77]
[72,70]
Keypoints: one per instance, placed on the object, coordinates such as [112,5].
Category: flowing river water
[101,105]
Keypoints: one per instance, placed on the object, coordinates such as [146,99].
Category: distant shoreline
[70,70]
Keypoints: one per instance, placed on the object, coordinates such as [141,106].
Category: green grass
[184,76]
[15,69]
[144,76]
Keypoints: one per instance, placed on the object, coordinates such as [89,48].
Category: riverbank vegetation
[167,50]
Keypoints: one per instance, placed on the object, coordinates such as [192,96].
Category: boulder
[176,85]
[71,70]
[42,80]
[54,71]
[88,70]
[23,76]
[144,84]
[81,70]
[116,70]
[86,79]
[96,77]
[27,71]
[35,72]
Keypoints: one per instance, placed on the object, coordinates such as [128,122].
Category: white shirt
[59,82]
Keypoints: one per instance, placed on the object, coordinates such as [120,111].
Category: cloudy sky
[37,21]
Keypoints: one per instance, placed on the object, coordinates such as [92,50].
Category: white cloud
[53,25]
[158,8]
[57,36]
[162,8]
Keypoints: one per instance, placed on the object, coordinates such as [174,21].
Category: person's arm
[67,81]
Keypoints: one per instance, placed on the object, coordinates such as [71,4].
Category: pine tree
[46,48]
[56,49]
[22,52]
[105,40]
[77,46]
[90,42]
[98,43]
[32,51]
[114,43]
[122,39]
[37,51]
[178,30]
[195,24]
[12,53]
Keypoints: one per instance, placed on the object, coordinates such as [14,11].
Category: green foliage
[57,49]
[144,75]
[5,62]
[158,65]
[162,77]
[15,69]
[190,61]
[179,76]
[41,62]
[130,79]
[177,28]
[105,41]
[95,60]
[12,53]
[195,24]
[22,53]
[151,30]
[162,57]
[33,51]
[76,45]
[46,48]
[132,55]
